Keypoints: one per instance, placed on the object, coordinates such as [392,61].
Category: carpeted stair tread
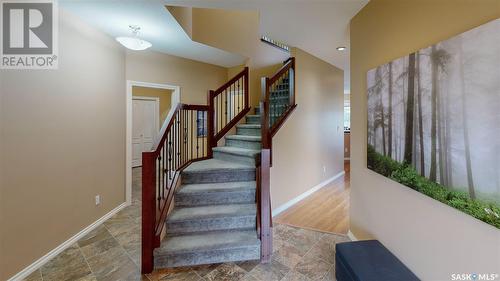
[244,138]
[248,126]
[217,187]
[215,165]
[217,240]
[237,151]
[214,211]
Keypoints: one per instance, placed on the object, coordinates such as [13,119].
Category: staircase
[214,218]
[212,204]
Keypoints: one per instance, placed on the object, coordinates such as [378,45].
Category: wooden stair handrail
[218,105]
[264,213]
[289,63]
[174,149]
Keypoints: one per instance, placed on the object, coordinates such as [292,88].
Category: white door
[144,127]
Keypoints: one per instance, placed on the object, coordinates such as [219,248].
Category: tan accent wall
[194,78]
[62,143]
[255,83]
[241,36]
[313,136]
[184,16]
[235,31]
[164,95]
[432,239]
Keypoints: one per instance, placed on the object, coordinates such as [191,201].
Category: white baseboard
[302,196]
[41,261]
[351,236]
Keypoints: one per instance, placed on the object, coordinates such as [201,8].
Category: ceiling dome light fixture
[341,48]
[134,43]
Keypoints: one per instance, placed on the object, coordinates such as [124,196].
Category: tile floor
[112,252]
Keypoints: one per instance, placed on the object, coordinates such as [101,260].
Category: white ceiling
[157,26]
[316,26]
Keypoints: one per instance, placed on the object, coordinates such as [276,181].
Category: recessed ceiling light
[134,43]
[341,48]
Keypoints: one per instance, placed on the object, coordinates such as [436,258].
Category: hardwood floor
[325,210]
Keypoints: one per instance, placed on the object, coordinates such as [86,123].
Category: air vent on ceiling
[275,43]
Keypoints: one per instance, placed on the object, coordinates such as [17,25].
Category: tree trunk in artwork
[468,165]
[389,114]
[420,121]
[409,110]
[440,138]
[434,77]
[382,121]
[448,144]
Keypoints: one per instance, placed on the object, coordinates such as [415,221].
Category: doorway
[138,95]
[145,126]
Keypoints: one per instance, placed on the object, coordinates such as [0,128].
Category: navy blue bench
[369,260]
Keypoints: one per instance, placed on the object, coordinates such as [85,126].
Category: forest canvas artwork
[434,121]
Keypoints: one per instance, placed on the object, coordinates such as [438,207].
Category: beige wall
[255,81]
[164,95]
[241,35]
[434,240]
[313,135]
[194,78]
[62,143]
[184,16]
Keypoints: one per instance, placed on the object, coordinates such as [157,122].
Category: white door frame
[176,97]
[156,114]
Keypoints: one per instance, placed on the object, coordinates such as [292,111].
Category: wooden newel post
[291,83]
[264,110]
[247,92]
[148,210]
[210,124]
[265,204]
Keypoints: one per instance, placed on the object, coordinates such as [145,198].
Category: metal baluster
[169,166]
[174,143]
[178,156]
[215,115]
[225,102]
[290,73]
[289,103]
[162,172]
[158,194]
[179,152]
[203,139]
[278,100]
[231,97]
[182,137]
[220,113]
[239,95]
[197,138]
[192,138]
[185,136]
[273,108]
